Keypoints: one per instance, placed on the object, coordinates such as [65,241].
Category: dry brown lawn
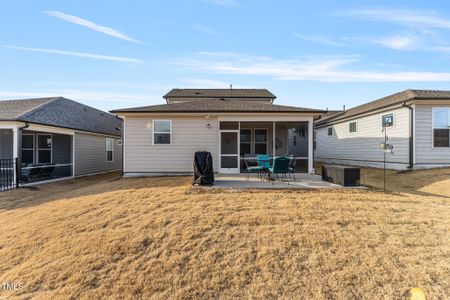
[108,237]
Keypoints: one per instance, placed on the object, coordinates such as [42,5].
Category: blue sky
[321,54]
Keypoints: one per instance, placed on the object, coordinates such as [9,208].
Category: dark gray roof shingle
[220,93]
[60,112]
[201,106]
[395,99]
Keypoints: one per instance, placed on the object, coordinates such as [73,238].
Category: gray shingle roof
[220,93]
[395,99]
[60,112]
[11,109]
[201,106]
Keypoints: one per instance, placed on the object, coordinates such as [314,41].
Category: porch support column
[273,140]
[15,148]
[311,145]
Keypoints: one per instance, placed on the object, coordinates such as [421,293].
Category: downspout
[411,135]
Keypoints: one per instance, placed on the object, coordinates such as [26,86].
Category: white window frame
[106,148]
[393,119]
[45,149]
[434,108]
[348,127]
[32,149]
[328,131]
[154,132]
[266,142]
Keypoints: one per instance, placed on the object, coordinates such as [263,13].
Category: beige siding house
[55,138]
[230,123]
[417,125]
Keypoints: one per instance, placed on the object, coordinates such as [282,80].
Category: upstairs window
[387,120]
[352,127]
[162,132]
[109,150]
[330,130]
[441,127]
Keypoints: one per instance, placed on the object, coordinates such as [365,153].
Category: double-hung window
[261,141]
[441,127]
[44,148]
[27,149]
[109,150]
[352,127]
[162,132]
[246,141]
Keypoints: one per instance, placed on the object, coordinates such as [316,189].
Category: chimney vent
[343,107]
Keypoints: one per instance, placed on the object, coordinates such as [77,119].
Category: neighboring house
[417,125]
[57,137]
[229,123]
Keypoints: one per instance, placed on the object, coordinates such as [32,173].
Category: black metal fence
[8,174]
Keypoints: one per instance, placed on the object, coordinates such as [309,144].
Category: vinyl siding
[425,152]
[189,134]
[6,144]
[363,146]
[90,154]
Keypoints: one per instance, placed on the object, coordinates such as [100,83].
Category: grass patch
[105,236]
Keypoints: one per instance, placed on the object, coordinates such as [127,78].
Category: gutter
[411,135]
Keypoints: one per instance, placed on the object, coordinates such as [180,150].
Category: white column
[15,142]
[273,140]
[15,148]
[311,145]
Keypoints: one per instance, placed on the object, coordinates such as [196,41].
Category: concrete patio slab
[303,181]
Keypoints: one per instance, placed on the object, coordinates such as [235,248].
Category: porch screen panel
[228,162]
[229,143]
[27,149]
[44,149]
[246,141]
[291,139]
[261,141]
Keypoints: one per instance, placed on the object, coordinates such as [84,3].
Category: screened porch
[45,156]
[242,142]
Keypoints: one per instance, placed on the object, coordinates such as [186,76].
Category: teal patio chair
[263,163]
[280,168]
[248,160]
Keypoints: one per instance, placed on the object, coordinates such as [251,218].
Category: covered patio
[41,153]
[242,141]
[45,156]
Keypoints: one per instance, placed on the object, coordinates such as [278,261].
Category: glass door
[229,151]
